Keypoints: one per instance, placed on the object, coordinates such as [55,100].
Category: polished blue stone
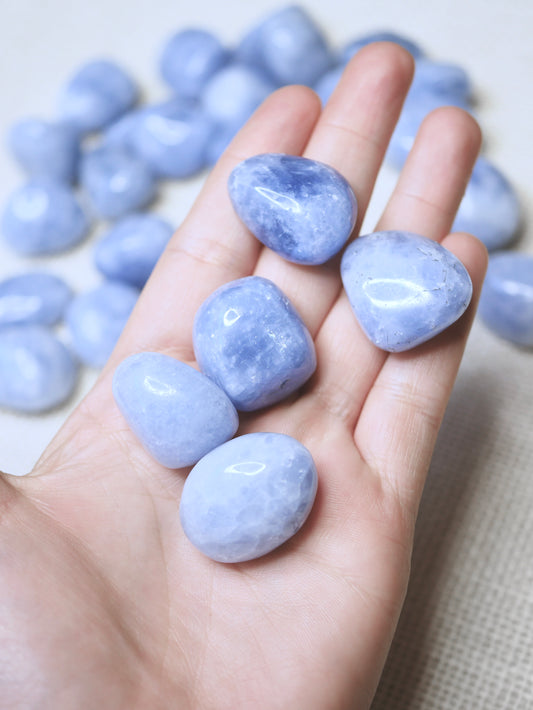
[490,209]
[172,138]
[116,181]
[384,36]
[37,372]
[300,208]
[233,94]
[97,94]
[189,59]
[327,83]
[403,288]
[248,496]
[120,133]
[43,217]
[45,149]
[288,47]
[130,250]
[448,80]
[33,298]
[95,319]
[506,303]
[250,340]
[177,413]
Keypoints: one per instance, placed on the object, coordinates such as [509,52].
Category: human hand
[103,601]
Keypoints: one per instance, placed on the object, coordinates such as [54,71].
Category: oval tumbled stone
[34,297]
[300,208]
[248,496]
[177,413]
[403,288]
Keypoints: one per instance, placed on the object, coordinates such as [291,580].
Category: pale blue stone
[120,134]
[43,217]
[490,209]
[172,138]
[300,208]
[248,496]
[95,319]
[130,250]
[98,93]
[506,303]
[189,59]
[327,83]
[33,298]
[448,80]
[250,340]
[383,36]
[177,413]
[45,149]
[116,181]
[403,288]
[288,46]
[37,372]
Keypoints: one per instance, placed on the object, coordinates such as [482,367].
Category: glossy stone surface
[33,298]
[232,94]
[189,59]
[250,340]
[383,36]
[45,149]
[37,372]
[448,80]
[172,137]
[490,209]
[96,95]
[43,217]
[248,496]
[95,319]
[177,413]
[506,303]
[116,181]
[302,209]
[288,47]
[130,250]
[120,133]
[403,288]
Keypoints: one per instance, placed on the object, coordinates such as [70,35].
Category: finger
[352,136]
[425,200]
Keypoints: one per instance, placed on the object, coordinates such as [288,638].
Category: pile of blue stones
[104,157]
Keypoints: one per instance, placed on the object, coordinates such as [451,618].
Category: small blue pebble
[98,94]
[44,149]
[43,217]
[300,208]
[33,298]
[490,209]
[37,372]
[248,496]
[177,413]
[506,303]
[96,319]
[447,80]
[130,250]
[250,340]
[119,134]
[189,59]
[403,288]
[116,181]
[355,45]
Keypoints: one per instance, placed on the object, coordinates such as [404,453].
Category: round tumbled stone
[302,209]
[178,414]
[33,298]
[403,288]
[248,496]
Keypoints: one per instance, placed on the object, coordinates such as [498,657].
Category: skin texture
[104,603]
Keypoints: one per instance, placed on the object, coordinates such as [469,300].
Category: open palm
[103,601]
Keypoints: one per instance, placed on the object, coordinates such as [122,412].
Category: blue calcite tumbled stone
[177,413]
[248,496]
[506,303]
[97,94]
[120,133]
[189,59]
[403,288]
[448,80]
[37,372]
[33,298]
[45,149]
[249,339]
[43,217]
[130,250]
[490,209]
[95,319]
[232,94]
[383,36]
[300,208]
[116,181]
